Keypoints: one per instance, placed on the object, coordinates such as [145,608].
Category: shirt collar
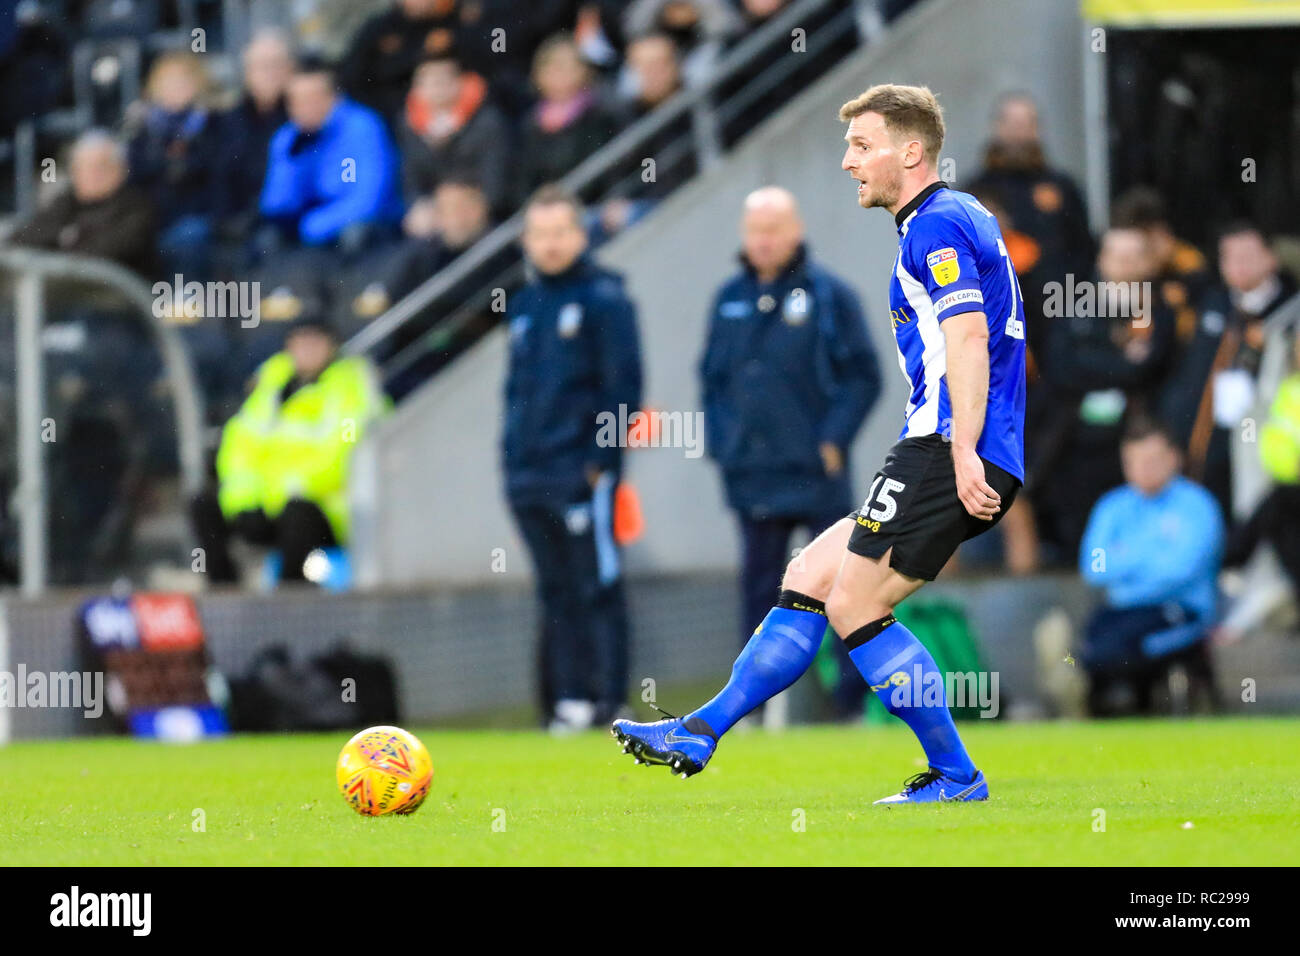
[1257,300]
[916,201]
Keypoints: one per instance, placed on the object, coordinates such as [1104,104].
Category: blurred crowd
[360,147]
[354,155]
[1163,437]
[336,161]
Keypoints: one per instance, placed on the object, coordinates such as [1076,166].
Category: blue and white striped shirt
[951,259]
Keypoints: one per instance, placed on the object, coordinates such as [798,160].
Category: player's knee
[838,608]
[808,576]
[847,612]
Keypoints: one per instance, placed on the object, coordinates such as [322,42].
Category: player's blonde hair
[907,111]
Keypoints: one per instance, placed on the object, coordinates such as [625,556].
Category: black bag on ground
[374,693]
[278,694]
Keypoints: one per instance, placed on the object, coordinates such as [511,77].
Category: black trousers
[584,634]
[765,544]
[297,531]
[1276,520]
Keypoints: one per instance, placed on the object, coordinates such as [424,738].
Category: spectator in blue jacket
[574,353]
[789,375]
[1154,545]
[332,173]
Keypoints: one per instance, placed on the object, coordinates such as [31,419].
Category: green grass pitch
[799,797]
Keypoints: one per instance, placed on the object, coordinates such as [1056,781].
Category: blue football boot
[684,746]
[933,787]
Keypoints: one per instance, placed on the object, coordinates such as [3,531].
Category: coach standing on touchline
[574,353]
[788,376]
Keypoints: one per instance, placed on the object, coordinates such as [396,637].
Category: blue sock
[905,677]
[780,651]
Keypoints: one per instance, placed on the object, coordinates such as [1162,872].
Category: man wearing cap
[282,466]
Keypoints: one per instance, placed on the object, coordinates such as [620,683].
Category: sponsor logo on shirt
[943,265]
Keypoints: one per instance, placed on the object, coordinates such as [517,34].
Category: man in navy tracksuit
[789,375]
[574,354]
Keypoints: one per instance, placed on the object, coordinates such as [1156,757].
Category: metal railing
[858,17]
[33,269]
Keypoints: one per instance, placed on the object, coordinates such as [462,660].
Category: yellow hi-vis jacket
[272,451]
[1279,440]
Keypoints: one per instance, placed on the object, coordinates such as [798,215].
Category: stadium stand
[195,115]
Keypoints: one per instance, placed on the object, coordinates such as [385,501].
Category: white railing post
[32,495]
[1096,123]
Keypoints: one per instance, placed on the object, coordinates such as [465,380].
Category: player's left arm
[966,337]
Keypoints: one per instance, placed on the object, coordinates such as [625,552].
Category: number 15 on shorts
[880,505]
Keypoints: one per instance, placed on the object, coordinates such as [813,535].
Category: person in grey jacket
[450,130]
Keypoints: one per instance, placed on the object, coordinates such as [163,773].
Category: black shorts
[913,508]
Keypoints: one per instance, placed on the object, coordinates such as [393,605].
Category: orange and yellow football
[384,770]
